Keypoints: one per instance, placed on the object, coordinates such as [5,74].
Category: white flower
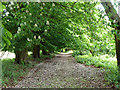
[21,24]
[43,4]
[11,8]
[47,23]
[17,6]
[38,1]
[35,25]
[30,14]
[41,7]
[114,21]
[27,2]
[28,39]
[27,11]
[18,30]
[39,37]
[12,3]
[45,30]
[53,4]
[9,5]
[41,14]
[25,23]
[7,13]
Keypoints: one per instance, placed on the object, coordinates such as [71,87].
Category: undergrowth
[110,66]
[12,73]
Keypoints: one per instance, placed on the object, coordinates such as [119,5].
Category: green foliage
[79,52]
[2,7]
[75,53]
[110,66]
[46,56]
[5,35]
[45,26]
[12,73]
[56,25]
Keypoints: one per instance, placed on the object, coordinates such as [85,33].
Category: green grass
[110,66]
[12,73]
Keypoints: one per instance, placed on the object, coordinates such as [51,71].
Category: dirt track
[62,71]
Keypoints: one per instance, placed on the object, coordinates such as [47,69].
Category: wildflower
[35,25]
[47,23]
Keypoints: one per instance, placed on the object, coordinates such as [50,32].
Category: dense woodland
[50,27]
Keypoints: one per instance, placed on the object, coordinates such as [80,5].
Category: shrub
[110,66]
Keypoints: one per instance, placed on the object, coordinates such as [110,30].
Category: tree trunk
[117,41]
[36,51]
[109,9]
[21,56]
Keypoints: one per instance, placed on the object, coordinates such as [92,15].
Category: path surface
[62,71]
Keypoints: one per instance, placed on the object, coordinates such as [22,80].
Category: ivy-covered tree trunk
[21,56]
[36,51]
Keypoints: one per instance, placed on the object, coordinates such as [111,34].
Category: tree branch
[109,9]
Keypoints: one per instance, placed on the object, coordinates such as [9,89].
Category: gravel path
[62,71]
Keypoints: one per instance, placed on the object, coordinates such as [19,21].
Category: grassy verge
[12,73]
[110,66]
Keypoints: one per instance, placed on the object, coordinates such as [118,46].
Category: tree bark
[117,41]
[21,56]
[36,51]
[109,9]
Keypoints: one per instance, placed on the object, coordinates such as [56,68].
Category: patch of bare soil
[63,71]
